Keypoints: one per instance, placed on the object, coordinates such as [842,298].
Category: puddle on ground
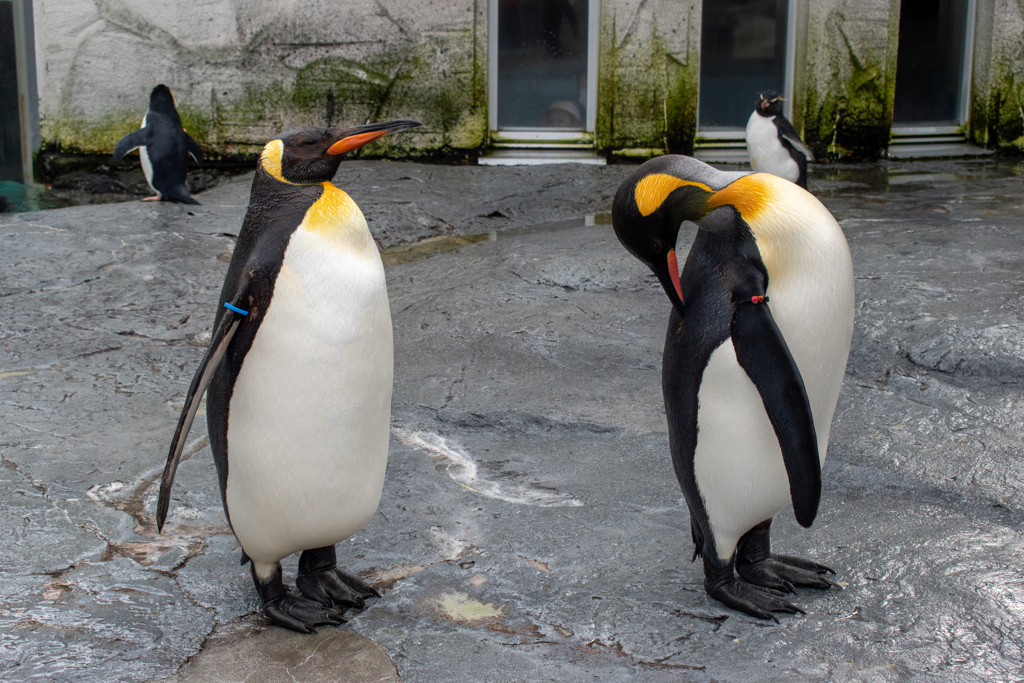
[432,246]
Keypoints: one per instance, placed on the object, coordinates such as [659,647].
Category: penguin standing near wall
[773,144]
[754,358]
[298,377]
[164,148]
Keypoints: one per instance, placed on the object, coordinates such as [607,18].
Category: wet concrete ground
[531,527]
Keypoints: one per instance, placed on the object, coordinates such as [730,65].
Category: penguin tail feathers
[181,196]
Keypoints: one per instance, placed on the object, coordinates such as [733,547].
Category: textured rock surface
[531,527]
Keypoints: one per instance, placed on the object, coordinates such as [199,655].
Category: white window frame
[541,135]
[787,81]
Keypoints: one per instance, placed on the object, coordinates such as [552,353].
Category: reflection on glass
[929,61]
[742,52]
[542,64]
[10,118]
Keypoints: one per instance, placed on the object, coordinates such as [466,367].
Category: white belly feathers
[738,462]
[310,413]
[767,154]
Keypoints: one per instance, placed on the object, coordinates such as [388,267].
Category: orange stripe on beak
[673,272]
[355,141]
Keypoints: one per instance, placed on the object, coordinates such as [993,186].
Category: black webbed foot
[321,579]
[758,565]
[785,573]
[288,610]
[300,614]
[753,600]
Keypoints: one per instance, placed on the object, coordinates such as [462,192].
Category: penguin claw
[801,563]
[335,588]
[785,573]
[299,614]
[751,599]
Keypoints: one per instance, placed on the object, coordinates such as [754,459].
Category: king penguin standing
[298,378]
[755,354]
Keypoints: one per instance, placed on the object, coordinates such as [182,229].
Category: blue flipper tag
[236,309]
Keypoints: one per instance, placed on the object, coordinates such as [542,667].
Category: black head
[161,99]
[768,103]
[651,205]
[312,155]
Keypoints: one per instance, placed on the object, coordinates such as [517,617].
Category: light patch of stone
[462,468]
[460,607]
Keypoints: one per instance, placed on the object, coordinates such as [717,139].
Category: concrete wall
[648,73]
[245,69]
[846,75]
[997,96]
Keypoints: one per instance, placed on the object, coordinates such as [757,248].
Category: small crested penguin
[754,358]
[773,144]
[298,377]
[164,148]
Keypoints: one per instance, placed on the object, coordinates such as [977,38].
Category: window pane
[742,52]
[542,64]
[929,61]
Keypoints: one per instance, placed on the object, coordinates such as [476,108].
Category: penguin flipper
[762,352]
[789,136]
[222,336]
[132,141]
[193,150]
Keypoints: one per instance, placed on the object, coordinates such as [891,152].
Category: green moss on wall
[1005,115]
[401,81]
[852,117]
[646,98]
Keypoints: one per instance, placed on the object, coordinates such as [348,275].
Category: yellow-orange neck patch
[750,195]
[270,159]
[653,189]
[334,214]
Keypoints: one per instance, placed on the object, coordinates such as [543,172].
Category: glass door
[543,56]
[933,64]
[745,48]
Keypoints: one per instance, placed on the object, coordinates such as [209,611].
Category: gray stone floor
[531,528]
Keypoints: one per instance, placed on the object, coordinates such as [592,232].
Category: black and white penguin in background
[298,378]
[754,358]
[164,148]
[773,144]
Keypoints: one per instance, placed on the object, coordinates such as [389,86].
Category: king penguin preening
[298,377]
[164,148]
[773,144]
[754,358]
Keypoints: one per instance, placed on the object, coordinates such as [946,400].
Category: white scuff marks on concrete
[461,467]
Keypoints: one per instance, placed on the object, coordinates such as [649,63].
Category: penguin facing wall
[754,358]
[164,148]
[773,144]
[298,377]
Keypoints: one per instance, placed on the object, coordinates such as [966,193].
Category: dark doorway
[11,167]
[930,62]
[742,52]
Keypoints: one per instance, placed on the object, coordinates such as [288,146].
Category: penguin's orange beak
[354,138]
[347,144]
[673,272]
[667,272]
